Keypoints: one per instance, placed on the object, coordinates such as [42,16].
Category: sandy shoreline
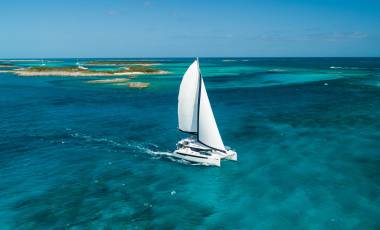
[138,85]
[121,82]
[107,81]
[27,73]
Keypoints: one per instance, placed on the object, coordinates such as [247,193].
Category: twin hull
[190,150]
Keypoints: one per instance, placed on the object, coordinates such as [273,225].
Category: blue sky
[132,28]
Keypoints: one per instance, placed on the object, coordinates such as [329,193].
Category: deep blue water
[307,131]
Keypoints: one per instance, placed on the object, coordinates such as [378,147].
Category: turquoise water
[307,131]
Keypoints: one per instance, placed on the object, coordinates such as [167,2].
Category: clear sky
[132,28]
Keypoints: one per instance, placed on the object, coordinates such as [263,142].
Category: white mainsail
[208,132]
[189,106]
[188,100]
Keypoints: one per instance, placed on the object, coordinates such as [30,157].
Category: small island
[109,81]
[115,72]
[6,66]
[138,85]
[120,81]
[74,71]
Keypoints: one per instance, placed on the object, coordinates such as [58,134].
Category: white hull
[192,156]
[193,151]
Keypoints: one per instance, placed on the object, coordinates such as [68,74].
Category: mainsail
[194,110]
[188,100]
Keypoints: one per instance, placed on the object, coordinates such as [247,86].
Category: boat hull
[196,157]
[191,150]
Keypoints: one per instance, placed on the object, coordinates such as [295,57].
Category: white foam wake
[167,155]
[338,67]
[141,147]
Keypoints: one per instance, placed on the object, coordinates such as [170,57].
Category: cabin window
[205,153]
[194,149]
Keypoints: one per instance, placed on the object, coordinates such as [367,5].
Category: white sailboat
[80,66]
[195,117]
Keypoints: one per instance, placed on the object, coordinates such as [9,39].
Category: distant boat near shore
[80,66]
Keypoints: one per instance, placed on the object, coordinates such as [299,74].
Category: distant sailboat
[43,63]
[195,117]
[79,65]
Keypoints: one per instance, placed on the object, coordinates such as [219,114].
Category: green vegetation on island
[119,75]
[6,66]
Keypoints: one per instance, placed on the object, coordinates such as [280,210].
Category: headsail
[188,100]
[208,132]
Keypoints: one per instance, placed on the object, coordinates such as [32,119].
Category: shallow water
[76,155]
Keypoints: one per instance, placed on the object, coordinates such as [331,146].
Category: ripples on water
[75,156]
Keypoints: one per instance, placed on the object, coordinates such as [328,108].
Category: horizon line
[27,58]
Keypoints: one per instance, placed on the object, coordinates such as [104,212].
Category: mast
[199,96]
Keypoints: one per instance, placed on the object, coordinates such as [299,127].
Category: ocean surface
[75,155]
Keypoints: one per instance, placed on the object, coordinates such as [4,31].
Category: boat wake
[99,140]
[148,148]
[339,67]
[168,155]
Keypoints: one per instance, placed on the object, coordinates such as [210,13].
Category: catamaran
[195,117]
